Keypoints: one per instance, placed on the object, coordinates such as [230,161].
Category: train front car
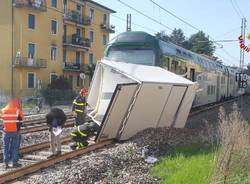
[216,81]
[134,47]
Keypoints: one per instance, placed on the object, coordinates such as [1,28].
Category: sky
[220,19]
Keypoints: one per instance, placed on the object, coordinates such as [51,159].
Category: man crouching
[82,133]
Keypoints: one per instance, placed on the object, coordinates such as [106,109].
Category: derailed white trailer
[127,98]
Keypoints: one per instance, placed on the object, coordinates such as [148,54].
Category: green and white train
[216,81]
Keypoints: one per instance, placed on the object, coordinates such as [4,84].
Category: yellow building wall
[43,39]
[5,47]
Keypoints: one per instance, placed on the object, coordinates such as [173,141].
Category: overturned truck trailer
[127,98]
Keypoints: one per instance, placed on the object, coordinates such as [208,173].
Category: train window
[231,81]
[223,81]
[208,90]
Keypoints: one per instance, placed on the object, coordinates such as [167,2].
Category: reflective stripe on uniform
[77,110]
[10,121]
[9,115]
[73,134]
[81,104]
[79,131]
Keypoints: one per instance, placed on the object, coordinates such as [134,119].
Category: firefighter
[56,119]
[12,117]
[81,134]
[78,107]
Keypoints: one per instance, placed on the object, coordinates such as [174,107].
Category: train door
[192,74]
[218,89]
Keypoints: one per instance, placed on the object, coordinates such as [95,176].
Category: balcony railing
[29,62]
[76,17]
[71,66]
[39,5]
[76,41]
[108,28]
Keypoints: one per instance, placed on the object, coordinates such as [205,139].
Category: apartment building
[43,39]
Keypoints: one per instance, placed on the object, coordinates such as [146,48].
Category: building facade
[44,39]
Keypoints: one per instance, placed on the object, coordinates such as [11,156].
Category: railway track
[38,159]
[209,107]
[35,156]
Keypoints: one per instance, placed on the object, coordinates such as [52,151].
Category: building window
[54,3]
[31,50]
[53,26]
[105,19]
[78,58]
[91,36]
[92,14]
[79,8]
[64,56]
[31,21]
[78,31]
[104,39]
[53,77]
[31,80]
[91,58]
[78,81]
[65,5]
[53,53]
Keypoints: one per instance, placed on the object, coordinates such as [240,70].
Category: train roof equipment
[127,98]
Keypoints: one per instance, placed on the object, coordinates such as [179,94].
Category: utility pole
[243,34]
[128,23]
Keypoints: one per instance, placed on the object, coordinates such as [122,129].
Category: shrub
[58,90]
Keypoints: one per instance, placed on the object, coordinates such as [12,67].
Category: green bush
[58,91]
[52,96]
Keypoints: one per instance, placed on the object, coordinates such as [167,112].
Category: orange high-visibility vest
[9,115]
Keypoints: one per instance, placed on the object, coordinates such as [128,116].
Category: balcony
[71,66]
[23,62]
[39,5]
[107,28]
[76,17]
[76,42]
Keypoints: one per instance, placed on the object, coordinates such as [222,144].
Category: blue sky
[216,18]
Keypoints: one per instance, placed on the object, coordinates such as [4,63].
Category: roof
[145,73]
[97,4]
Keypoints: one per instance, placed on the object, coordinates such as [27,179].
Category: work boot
[6,166]
[17,165]
[58,153]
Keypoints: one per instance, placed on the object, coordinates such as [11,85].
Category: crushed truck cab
[127,98]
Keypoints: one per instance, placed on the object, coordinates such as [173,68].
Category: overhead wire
[146,28]
[190,25]
[152,19]
[237,9]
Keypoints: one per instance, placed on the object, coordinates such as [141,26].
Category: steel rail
[49,162]
[210,107]
[39,146]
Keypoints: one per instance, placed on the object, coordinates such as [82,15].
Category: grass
[189,164]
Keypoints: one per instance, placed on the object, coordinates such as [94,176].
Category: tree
[201,44]
[162,36]
[177,37]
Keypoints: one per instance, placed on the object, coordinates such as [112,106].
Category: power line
[213,40]
[235,9]
[135,24]
[235,2]
[125,4]
[228,32]
[175,16]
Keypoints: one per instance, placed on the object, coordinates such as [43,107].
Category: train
[216,82]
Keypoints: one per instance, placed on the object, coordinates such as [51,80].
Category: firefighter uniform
[79,105]
[81,134]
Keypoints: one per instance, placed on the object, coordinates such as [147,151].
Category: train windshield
[143,56]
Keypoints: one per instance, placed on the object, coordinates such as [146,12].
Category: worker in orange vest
[12,118]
